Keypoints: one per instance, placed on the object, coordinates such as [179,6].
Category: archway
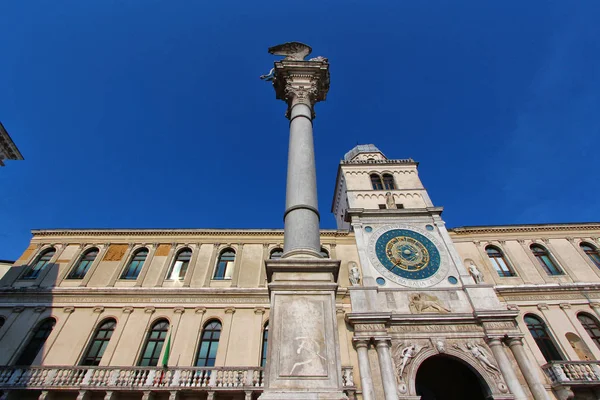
[446,378]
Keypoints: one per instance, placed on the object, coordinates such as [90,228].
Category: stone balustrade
[116,378]
[573,373]
[149,378]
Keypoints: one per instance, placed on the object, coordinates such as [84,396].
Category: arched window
[98,345]
[36,342]
[538,330]
[499,261]
[135,264]
[209,343]
[388,182]
[34,270]
[592,252]
[224,268]
[324,252]
[591,327]
[265,339]
[180,265]
[84,264]
[545,260]
[376,182]
[154,344]
[276,253]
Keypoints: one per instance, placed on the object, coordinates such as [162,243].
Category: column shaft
[531,376]
[387,370]
[301,215]
[365,370]
[507,370]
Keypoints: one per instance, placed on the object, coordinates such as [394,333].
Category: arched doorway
[446,378]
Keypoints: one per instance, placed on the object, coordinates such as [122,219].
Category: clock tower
[412,297]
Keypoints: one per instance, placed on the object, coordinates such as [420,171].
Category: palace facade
[484,312]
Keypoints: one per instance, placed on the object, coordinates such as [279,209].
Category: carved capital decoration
[68,310]
[179,310]
[98,309]
[259,310]
[39,309]
[564,306]
[127,310]
[149,310]
[230,310]
[200,310]
[542,306]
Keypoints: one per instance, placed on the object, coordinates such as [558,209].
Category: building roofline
[171,231]
[7,262]
[7,143]
[516,228]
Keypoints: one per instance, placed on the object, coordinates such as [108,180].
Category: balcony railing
[573,373]
[126,378]
[154,378]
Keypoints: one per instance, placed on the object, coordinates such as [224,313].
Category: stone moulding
[468,230]
[174,232]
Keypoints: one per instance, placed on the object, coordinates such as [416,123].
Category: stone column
[366,382]
[386,368]
[531,376]
[301,84]
[506,368]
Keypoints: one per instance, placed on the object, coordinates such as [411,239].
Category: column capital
[514,341]
[301,82]
[494,340]
[360,343]
[382,341]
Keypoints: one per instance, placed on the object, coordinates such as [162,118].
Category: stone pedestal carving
[303,349]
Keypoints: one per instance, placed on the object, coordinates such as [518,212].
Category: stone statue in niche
[423,303]
[353,273]
[390,203]
[475,273]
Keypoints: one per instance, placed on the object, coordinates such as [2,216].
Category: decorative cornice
[172,232]
[388,161]
[561,227]
[545,288]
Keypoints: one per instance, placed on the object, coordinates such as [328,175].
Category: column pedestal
[533,381]
[303,348]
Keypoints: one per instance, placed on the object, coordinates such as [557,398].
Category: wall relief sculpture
[426,303]
[402,355]
[480,354]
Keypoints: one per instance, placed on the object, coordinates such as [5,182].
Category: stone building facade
[8,148]
[421,311]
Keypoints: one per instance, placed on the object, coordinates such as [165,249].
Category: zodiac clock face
[406,256]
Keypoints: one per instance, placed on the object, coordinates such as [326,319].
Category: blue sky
[145,113]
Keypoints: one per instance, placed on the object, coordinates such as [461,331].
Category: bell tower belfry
[411,295]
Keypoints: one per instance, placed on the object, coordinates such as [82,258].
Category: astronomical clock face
[406,256]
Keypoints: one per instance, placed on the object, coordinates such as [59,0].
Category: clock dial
[407,254]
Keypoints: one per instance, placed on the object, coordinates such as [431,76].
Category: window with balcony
[135,264]
[591,326]
[209,343]
[224,268]
[376,182]
[542,338]
[154,344]
[545,259]
[180,265]
[83,264]
[99,342]
[40,263]
[591,252]
[36,342]
[499,261]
